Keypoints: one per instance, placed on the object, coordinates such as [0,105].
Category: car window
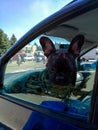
[24,72]
[25,79]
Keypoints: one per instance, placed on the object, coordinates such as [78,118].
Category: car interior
[25,89]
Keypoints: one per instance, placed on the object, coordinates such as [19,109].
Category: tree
[13,39]
[4,42]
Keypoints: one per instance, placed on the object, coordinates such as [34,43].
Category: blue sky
[18,16]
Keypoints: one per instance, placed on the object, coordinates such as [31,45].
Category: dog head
[61,63]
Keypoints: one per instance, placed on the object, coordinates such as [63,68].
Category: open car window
[26,78]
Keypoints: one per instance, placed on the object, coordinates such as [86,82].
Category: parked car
[41,111]
[88,66]
[39,56]
[29,58]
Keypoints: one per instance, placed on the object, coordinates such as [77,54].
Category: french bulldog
[61,65]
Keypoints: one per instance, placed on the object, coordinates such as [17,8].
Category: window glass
[26,78]
[24,72]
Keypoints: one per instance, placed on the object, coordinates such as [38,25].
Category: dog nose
[60,79]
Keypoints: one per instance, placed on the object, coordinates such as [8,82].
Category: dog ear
[47,46]
[76,45]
